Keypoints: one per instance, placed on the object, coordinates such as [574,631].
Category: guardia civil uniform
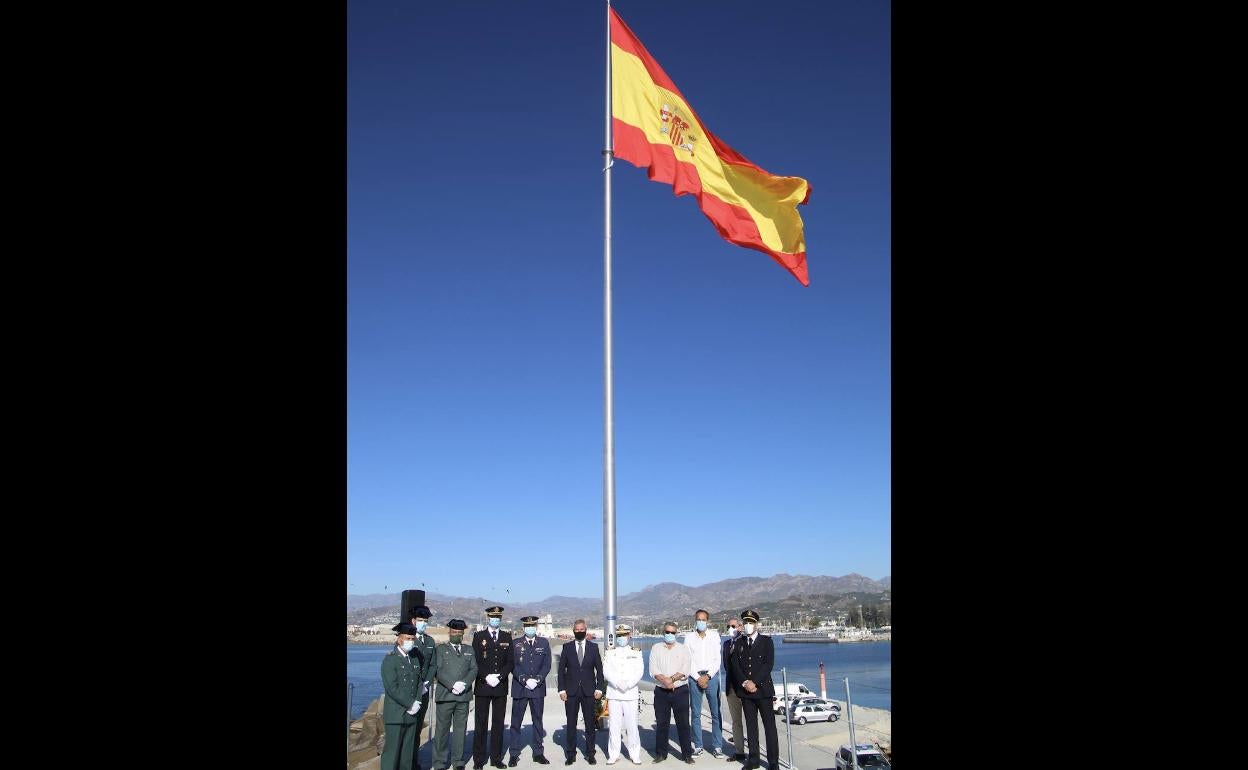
[456,664]
[428,648]
[622,667]
[402,675]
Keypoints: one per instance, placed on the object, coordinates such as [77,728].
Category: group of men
[481,671]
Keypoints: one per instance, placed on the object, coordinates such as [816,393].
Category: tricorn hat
[404,628]
[420,611]
[455,624]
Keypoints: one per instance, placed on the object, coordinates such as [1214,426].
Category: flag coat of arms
[655,128]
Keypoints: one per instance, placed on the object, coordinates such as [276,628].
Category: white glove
[492,680]
[424,688]
[531,683]
[458,688]
[415,707]
[597,694]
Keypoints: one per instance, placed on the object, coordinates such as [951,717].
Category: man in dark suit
[531,664]
[580,686]
[492,648]
[751,666]
[734,703]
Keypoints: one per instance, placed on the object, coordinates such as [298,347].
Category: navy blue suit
[529,661]
[580,680]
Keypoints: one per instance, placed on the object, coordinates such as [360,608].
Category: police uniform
[428,648]
[456,664]
[493,657]
[622,667]
[752,661]
[401,679]
[530,660]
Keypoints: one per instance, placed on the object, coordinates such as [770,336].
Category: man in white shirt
[622,668]
[669,667]
[704,657]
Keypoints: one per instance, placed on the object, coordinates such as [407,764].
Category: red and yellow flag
[656,129]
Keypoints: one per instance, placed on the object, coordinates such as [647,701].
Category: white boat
[825,637]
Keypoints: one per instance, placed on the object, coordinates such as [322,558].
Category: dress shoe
[612,761]
[568,761]
[657,760]
[590,759]
[513,761]
[737,758]
[498,764]
[477,765]
[688,761]
[541,760]
[459,767]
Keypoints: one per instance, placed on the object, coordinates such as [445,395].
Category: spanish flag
[656,129]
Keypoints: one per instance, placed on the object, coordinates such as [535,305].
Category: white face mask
[408,644]
[701,625]
[732,631]
[530,631]
[495,622]
[621,641]
[749,629]
[420,626]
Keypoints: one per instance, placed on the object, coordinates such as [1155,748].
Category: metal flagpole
[608,439]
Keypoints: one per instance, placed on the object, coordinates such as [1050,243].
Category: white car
[816,702]
[813,712]
[868,756]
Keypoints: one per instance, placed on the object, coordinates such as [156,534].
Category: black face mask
[580,635]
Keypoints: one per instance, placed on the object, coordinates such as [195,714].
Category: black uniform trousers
[665,703]
[585,704]
[488,707]
[751,709]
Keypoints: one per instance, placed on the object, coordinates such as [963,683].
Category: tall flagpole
[608,438]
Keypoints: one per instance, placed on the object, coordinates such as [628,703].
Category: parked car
[816,701]
[868,756]
[796,690]
[812,712]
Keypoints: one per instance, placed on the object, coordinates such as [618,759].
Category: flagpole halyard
[608,444]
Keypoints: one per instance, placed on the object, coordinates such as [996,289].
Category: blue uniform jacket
[530,663]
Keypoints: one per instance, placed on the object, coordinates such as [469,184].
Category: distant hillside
[783,591]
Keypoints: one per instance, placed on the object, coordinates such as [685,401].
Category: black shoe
[591,760]
[477,765]
[688,761]
[459,767]
[541,760]
[513,761]
[737,758]
[657,760]
[499,763]
[569,760]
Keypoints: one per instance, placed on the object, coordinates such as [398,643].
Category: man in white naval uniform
[622,667]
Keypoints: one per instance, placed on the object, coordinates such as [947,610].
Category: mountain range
[660,600]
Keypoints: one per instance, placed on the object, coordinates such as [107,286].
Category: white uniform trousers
[622,714]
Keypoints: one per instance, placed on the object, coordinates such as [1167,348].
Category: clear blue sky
[752,414]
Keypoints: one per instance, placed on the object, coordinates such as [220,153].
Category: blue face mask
[495,622]
[621,641]
[407,645]
[701,624]
[530,631]
[669,638]
[420,626]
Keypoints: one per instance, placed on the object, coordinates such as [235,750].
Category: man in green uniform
[420,615]
[402,675]
[457,670]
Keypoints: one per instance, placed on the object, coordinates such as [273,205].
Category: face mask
[621,641]
[669,638]
[457,638]
[530,631]
[701,624]
[495,622]
[732,631]
[407,645]
[420,626]
[749,628]
[580,635]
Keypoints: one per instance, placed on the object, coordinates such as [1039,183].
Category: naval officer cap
[529,620]
[420,611]
[404,628]
[456,624]
[622,629]
[494,612]
[750,615]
